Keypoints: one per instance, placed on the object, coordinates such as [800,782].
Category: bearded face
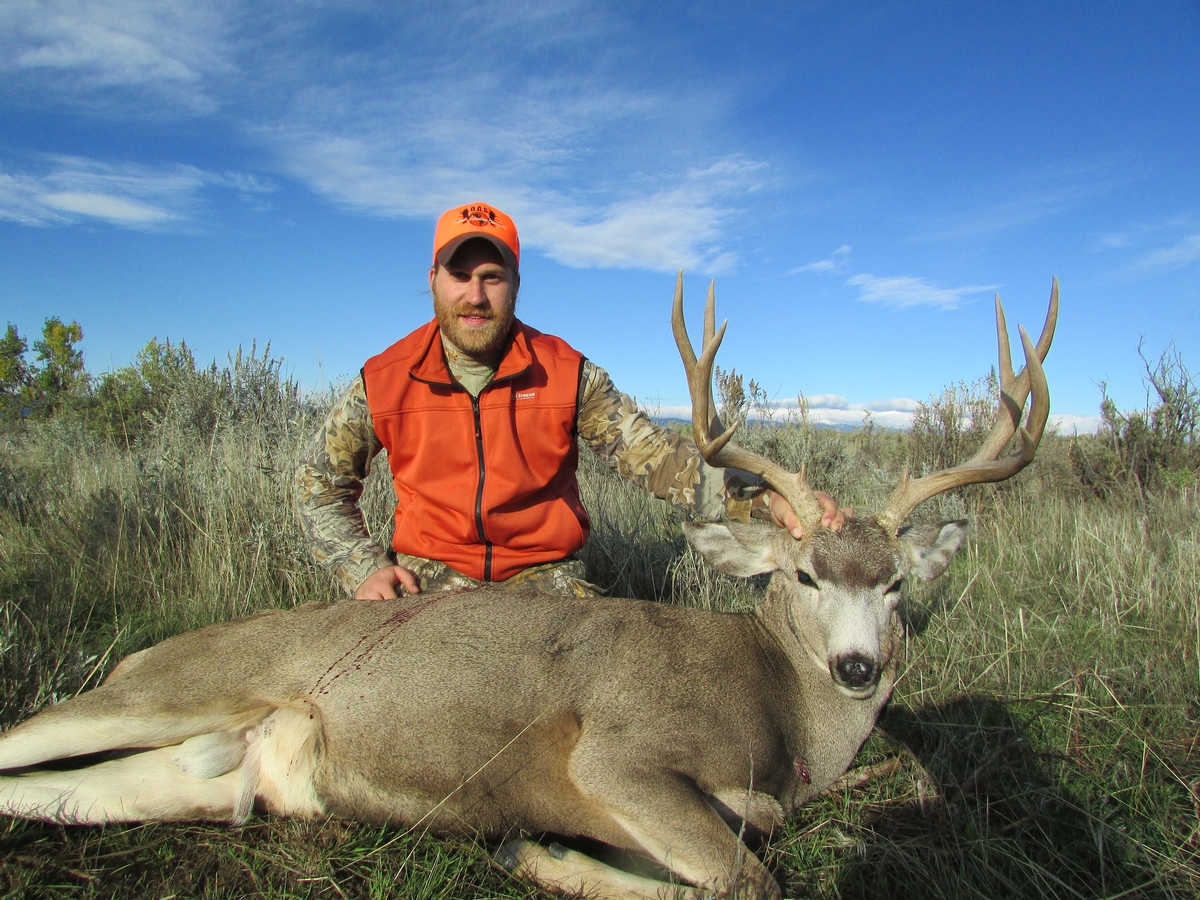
[474,298]
[474,330]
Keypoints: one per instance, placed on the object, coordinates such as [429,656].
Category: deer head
[836,593]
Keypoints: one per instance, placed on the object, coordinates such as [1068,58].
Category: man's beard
[475,341]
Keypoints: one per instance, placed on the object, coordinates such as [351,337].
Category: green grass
[1045,727]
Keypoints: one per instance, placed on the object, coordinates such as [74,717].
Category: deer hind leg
[142,786]
[109,718]
[213,776]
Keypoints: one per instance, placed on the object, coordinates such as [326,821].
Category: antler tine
[704,418]
[710,312]
[682,341]
[1014,389]
[713,339]
[1006,370]
[709,433]
[1047,335]
[984,466]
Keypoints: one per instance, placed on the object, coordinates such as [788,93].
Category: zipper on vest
[487,545]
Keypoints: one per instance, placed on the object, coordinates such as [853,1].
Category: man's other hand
[785,516]
[383,584]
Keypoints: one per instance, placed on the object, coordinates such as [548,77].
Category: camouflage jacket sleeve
[657,458]
[329,482]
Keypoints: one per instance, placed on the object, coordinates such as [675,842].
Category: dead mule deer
[502,713]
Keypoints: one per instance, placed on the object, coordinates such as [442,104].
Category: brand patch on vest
[526,395]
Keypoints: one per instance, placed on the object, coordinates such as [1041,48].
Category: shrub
[1146,450]
[60,382]
[949,428]
[127,401]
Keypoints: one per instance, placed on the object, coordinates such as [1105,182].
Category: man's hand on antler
[785,516]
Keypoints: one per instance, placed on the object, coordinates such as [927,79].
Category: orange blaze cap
[471,221]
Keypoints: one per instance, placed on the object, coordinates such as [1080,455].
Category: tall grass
[1042,742]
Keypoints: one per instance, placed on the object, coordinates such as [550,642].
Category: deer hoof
[512,854]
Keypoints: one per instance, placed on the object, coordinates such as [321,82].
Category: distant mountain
[845,427]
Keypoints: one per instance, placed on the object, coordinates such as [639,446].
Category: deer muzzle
[856,674]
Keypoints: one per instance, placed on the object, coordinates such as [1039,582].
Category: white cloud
[1028,196]
[896,404]
[904,291]
[896,413]
[78,47]
[103,206]
[1114,241]
[826,409]
[1067,423]
[1156,246]
[814,401]
[836,262]
[535,155]
[661,230]
[599,169]
[1176,256]
[833,409]
[827,401]
[665,231]
[885,418]
[18,202]
[71,188]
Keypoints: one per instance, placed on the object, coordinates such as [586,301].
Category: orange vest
[486,485]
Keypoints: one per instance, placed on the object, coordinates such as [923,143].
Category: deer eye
[895,586]
[804,578]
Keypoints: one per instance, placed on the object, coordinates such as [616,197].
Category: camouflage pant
[567,577]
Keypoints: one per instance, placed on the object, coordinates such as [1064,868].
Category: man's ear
[928,549]
[432,272]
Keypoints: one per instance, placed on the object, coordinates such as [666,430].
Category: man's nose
[475,294]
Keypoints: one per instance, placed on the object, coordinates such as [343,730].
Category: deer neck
[825,727]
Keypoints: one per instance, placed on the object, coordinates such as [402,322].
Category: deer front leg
[576,874]
[669,818]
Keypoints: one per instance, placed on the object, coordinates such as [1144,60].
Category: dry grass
[1045,727]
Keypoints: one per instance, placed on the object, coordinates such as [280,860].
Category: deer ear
[733,548]
[928,549]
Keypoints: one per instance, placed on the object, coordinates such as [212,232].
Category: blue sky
[858,178]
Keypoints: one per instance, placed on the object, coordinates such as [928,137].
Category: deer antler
[986,465]
[711,436]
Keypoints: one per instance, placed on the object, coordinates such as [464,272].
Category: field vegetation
[1044,740]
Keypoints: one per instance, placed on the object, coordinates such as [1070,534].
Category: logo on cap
[478,216]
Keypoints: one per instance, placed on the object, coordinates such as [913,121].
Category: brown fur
[846,558]
[494,712]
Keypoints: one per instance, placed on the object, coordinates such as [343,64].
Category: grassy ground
[1043,741]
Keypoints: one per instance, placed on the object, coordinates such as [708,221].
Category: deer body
[439,702]
[496,712]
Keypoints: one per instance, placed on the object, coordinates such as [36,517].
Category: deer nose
[855,671]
